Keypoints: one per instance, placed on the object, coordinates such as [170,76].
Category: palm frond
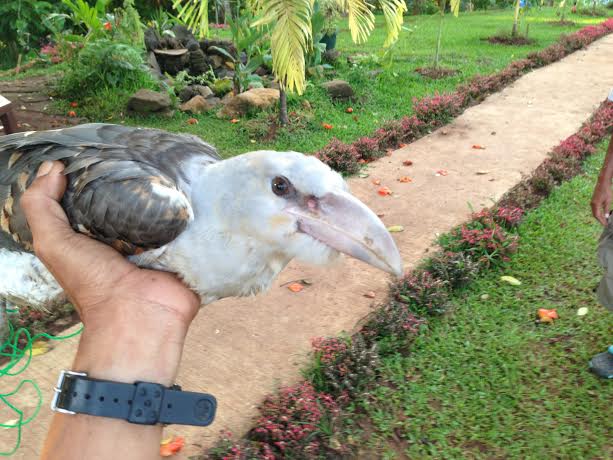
[195,15]
[360,17]
[393,11]
[291,38]
[455,7]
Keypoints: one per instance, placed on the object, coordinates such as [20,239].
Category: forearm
[606,173]
[122,356]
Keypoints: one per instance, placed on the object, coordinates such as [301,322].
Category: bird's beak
[344,223]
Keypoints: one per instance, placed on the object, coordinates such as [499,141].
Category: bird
[168,201]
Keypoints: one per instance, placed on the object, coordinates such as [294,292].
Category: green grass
[385,97]
[486,381]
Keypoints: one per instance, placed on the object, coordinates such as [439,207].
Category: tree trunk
[515,20]
[283,118]
[227,11]
[440,34]
[416,4]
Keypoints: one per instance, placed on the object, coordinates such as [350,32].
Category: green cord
[10,348]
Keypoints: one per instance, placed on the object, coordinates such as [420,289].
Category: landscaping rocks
[339,89]
[195,90]
[145,102]
[253,100]
[198,104]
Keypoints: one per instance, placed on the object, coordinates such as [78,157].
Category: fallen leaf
[441,172]
[380,216]
[444,132]
[485,296]
[395,229]
[547,315]
[40,347]
[482,173]
[407,162]
[74,105]
[493,133]
[362,161]
[478,147]
[363,175]
[388,152]
[582,311]
[405,179]
[511,280]
[306,282]
[192,121]
[72,113]
[384,191]
[234,120]
[355,118]
[376,181]
[12,423]
[295,287]
[370,294]
[326,125]
[349,110]
[402,146]
[172,446]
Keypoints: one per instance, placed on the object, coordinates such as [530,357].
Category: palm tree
[442,6]
[516,19]
[291,32]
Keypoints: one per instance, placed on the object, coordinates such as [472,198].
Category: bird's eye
[281,186]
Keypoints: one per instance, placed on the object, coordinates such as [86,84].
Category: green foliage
[106,64]
[183,79]
[21,27]
[88,17]
[222,87]
[128,28]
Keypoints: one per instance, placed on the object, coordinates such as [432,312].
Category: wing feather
[123,182]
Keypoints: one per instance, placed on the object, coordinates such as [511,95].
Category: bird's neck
[214,258]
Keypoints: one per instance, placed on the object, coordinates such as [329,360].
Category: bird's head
[297,206]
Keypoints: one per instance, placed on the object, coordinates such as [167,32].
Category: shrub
[291,421]
[457,269]
[393,322]
[438,109]
[343,368]
[422,293]
[562,169]
[340,157]
[103,64]
[508,217]
[412,128]
[368,148]
[573,147]
[483,239]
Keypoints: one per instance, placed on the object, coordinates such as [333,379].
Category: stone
[249,101]
[145,101]
[338,89]
[152,39]
[197,62]
[172,61]
[184,36]
[225,73]
[154,67]
[331,56]
[195,90]
[208,46]
[204,91]
[198,104]
[217,61]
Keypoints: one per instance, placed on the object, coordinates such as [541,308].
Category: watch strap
[143,403]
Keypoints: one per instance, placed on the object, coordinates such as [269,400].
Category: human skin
[601,199]
[135,322]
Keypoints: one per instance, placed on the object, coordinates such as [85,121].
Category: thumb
[40,202]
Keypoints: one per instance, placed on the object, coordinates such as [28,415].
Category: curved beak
[344,223]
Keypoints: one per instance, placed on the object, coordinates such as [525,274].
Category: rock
[145,101]
[226,45]
[198,104]
[172,60]
[331,56]
[152,39]
[204,91]
[197,62]
[261,71]
[338,89]
[217,61]
[154,67]
[249,101]
[225,73]
[184,35]
[192,45]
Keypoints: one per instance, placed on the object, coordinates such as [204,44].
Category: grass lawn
[386,96]
[486,381]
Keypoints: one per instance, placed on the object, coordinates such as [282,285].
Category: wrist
[129,358]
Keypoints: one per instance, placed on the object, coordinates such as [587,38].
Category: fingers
[598,212]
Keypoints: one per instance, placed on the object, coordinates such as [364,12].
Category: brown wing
[123,183]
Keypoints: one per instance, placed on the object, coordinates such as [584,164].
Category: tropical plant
[442,6]
[88,17]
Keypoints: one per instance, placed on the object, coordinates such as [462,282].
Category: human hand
[601,200]
[135,320]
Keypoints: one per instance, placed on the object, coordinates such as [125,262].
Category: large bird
[169,202]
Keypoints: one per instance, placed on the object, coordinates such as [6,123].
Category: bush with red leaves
[340,157]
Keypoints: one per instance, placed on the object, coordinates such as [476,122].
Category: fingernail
[44,168]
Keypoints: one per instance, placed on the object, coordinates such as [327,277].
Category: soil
[32,102]
[241,349]
[435,73]
[562,23]
[508,40]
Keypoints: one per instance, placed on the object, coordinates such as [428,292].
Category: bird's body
[167,201]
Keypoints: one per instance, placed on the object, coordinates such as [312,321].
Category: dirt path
[241,349]
[32,102]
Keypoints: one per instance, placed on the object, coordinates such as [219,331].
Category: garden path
[31,101]
[241,349]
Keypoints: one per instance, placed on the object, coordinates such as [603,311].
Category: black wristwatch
[144,403]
